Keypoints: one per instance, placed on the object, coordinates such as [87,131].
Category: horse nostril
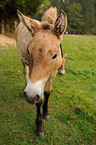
[24,94]
[37,99]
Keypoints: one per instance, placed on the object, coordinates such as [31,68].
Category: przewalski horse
[41,57]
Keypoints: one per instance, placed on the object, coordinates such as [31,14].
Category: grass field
[72,104]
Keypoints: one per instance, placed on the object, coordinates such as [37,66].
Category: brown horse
[41,57]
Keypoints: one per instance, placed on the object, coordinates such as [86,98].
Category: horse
[41,57]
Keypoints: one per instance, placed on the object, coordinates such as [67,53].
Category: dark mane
[46,25]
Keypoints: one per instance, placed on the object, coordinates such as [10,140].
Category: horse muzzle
[31,100]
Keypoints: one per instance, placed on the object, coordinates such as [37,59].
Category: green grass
[72,104]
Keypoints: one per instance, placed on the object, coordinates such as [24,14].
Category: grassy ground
[72,103]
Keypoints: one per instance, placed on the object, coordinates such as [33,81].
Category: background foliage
[28,7]
[81,13]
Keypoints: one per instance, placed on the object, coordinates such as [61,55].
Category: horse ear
[60,24]
[31,24]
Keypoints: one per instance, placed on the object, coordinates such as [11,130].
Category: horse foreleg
[45,106]
[47,94]
[39,130]
[61,69]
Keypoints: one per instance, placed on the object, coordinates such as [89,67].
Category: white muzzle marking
[34,89]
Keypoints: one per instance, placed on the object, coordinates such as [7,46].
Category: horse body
[39,49]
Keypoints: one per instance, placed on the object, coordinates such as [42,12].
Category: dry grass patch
[5,41]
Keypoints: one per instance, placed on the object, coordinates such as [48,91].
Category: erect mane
[46,25]
[50,15]
[48,19]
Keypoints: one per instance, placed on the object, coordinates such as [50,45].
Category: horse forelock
[45,26]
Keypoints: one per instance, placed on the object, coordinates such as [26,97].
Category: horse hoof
[61,72]
[40,134]
[46,117]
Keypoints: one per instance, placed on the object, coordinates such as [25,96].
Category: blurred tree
[42,8]
[8,9]
[89,15]
[95,14]
[75,18]
[79,19]
[28,7]
[56,3]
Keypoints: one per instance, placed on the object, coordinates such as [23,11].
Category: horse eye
[54,56]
